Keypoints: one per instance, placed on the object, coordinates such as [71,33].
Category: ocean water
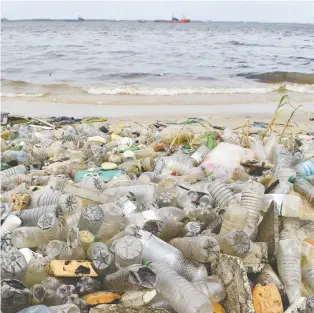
[86,61]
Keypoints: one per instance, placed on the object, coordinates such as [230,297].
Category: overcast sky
[263,11]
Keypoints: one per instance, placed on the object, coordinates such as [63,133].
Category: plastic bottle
[53,227]
[87,285]
[29,254]
[101,257]
[66,294]
[159,251]
[37,270]
[10,155]
[87,239]
[130,230]
[145,153]
[309,306]
[91,218]
[304,188]
[74,248]
[132,277]
[36,309]
[11,223]
[13,264]
[20,189]
[30,217]
[234,218]
[68,203]
[16,170]
[182,295]
[51,285]
[289,267]
[180,164]
[200,154]
[14,295]
[235,243]
[307,267]
[191,229]
[54,249]
[213,288]
[111,222]
[283,158]
[165,230]
[251,201]
[28,237]
[140,218]
[221,193]
[203,249]
[128,207]
[127,251]
[305,168]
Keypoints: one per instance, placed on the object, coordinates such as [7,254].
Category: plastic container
[221,194]
[132,277]
[10,224]
[203,249]
[156,250]
[213,288]
[235,243]
[110,226]
[53,227]
[28,237]
[13,264]
[235,218]
[252,201]
[127,250]
[91,218]
[304,188]
[37,270]
[182,295]
[305,168]
[101,257]
[289,267]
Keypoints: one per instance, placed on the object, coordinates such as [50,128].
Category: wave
[177,90]
[23,95]
[280,77]
[130,75]
[238,43]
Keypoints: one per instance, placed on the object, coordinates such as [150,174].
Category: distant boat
[182,20]
[160,21]
[142,21]
[80,18]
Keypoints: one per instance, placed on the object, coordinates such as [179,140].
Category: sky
[262,11]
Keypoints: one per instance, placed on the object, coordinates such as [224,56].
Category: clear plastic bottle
[68,203]
[13,264]
[30,217]
[191,229]
[132,277]
[87,285]
[234,218]
[110,226]
[307,267]
[14,295]
[180,164]
[54,249]
[200,154]
[145,153]
[203,249]
[157,250]
[36,308]
[127,205]
[289,267]
[304,188]
[74,249]
[36,271]
[28,237]
[140,218]
[102,259]
[182,295]
[283,158]
[305,168]
[87,239]
[12,155]
[53,227]
[130,230]
[127,251]
[251,201]
[309,306]
[66,294]
[15,170]
[221,193]
[213,288]
[235,243]
[165,230]
[11,223]
[91,218]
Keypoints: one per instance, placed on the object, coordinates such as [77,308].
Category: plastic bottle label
[149,215]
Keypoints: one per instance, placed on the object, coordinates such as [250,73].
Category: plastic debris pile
[134,218]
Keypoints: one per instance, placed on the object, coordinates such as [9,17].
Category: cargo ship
[182,20]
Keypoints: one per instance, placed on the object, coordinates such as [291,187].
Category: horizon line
[135,20]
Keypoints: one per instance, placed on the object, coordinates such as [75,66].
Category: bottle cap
[146,262]
[291,179]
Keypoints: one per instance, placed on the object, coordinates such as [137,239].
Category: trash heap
[155,218]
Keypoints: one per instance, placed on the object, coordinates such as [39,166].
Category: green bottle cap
[291,179]
[305,178]
[146,262]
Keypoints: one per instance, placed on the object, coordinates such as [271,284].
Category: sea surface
[75,62]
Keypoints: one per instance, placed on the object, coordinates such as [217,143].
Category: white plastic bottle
[182,295]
